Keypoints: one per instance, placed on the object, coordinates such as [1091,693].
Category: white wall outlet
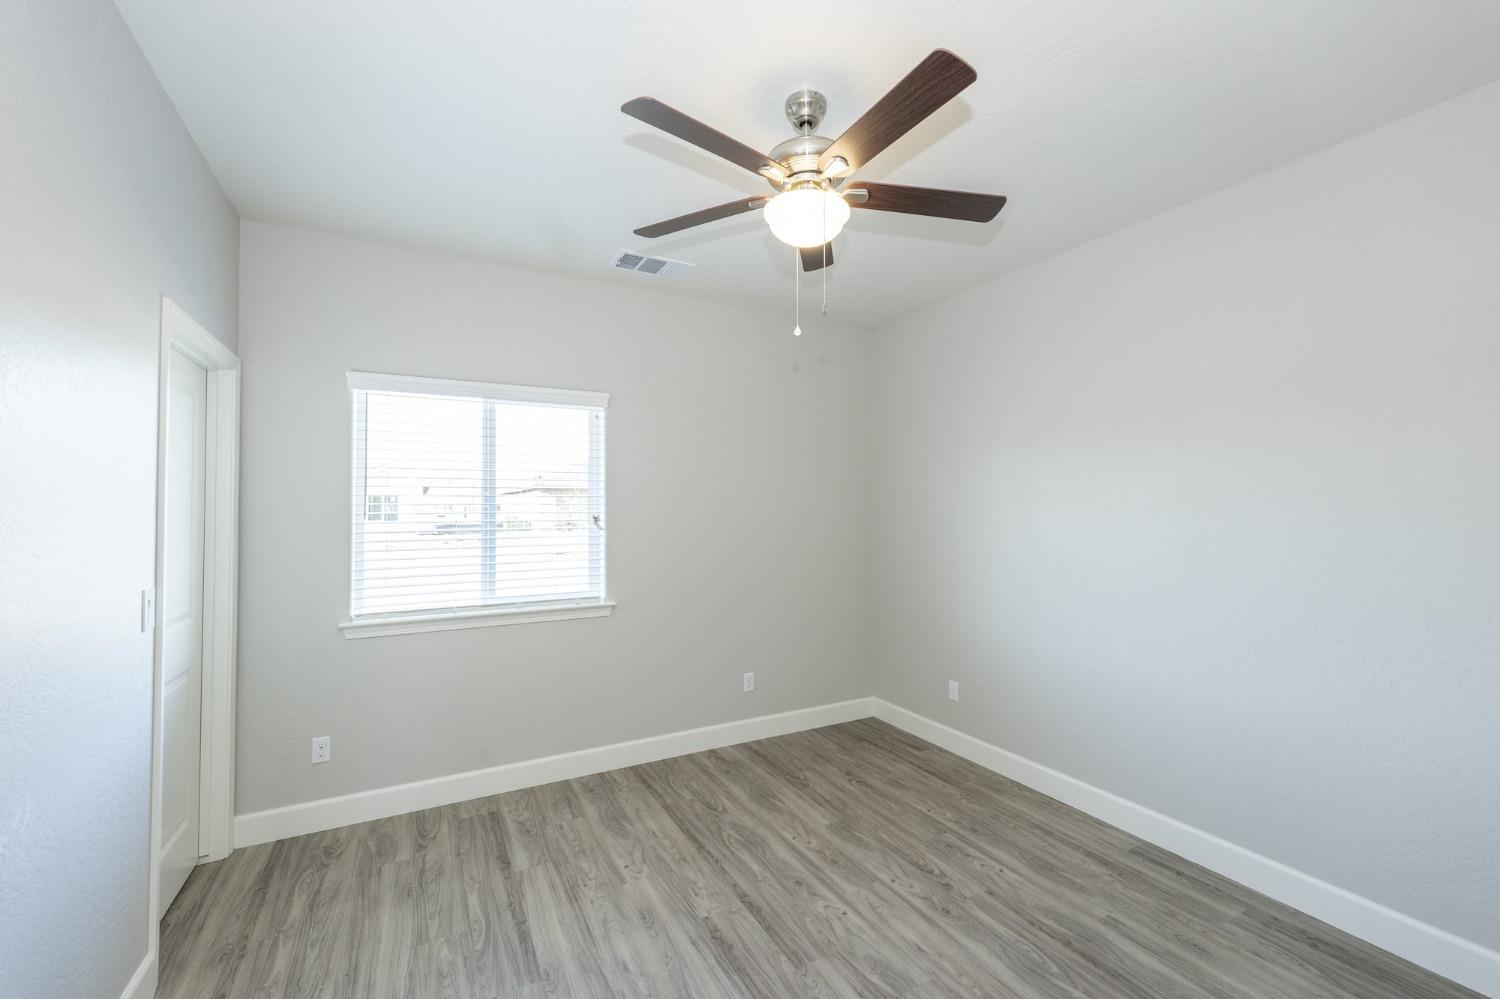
[952,690]
[322,748]
[148,608]
[749,682]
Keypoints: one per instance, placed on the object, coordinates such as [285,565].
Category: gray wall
[105,205]
[737,517]
[1217,535]
[1204,513]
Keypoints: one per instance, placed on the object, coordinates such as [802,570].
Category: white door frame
[220,590]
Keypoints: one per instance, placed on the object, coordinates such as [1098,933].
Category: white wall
[756,561]
[105,205]
[1223,522]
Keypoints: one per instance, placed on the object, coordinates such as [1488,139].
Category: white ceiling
[493,129]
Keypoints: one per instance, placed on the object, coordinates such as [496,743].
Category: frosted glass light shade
[806,217]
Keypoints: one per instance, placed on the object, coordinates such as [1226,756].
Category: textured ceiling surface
[493,129]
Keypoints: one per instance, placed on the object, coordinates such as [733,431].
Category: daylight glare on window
[472,502]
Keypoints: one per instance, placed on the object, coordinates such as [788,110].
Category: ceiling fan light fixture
[806,216]
[808,170]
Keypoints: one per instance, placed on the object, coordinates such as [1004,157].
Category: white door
[182,623]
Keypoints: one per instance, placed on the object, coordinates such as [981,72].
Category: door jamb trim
[220,585]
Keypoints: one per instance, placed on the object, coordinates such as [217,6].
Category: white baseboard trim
[1451,956]
[143,982]
[330,813]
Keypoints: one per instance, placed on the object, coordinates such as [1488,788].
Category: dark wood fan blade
[815,258]
[930,201]
[653,112]
[935,81]
[713,214]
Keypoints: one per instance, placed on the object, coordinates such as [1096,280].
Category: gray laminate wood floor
[847,861]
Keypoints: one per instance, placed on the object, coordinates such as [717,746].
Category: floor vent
[657,266]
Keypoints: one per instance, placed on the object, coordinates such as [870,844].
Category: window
[474,504]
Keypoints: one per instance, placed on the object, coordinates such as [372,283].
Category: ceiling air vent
[657,266]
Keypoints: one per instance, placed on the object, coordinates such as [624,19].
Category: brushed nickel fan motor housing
[800,154]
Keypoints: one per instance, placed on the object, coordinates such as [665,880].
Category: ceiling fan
[810,172]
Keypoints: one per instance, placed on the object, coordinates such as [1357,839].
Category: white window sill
[379,625]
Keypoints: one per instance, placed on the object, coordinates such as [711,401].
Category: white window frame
[410,622]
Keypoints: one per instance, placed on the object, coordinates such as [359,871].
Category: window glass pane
[472,502]
[431,557]
[542,459]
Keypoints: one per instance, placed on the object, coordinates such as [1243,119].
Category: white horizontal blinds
[470,501]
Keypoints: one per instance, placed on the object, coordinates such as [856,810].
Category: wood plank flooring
[848,861]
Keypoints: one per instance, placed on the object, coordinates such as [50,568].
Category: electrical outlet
[749,682]
[952,690]
[322,748]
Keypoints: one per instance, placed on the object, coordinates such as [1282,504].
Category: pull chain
[825,279]
[797,290]
[823,203]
